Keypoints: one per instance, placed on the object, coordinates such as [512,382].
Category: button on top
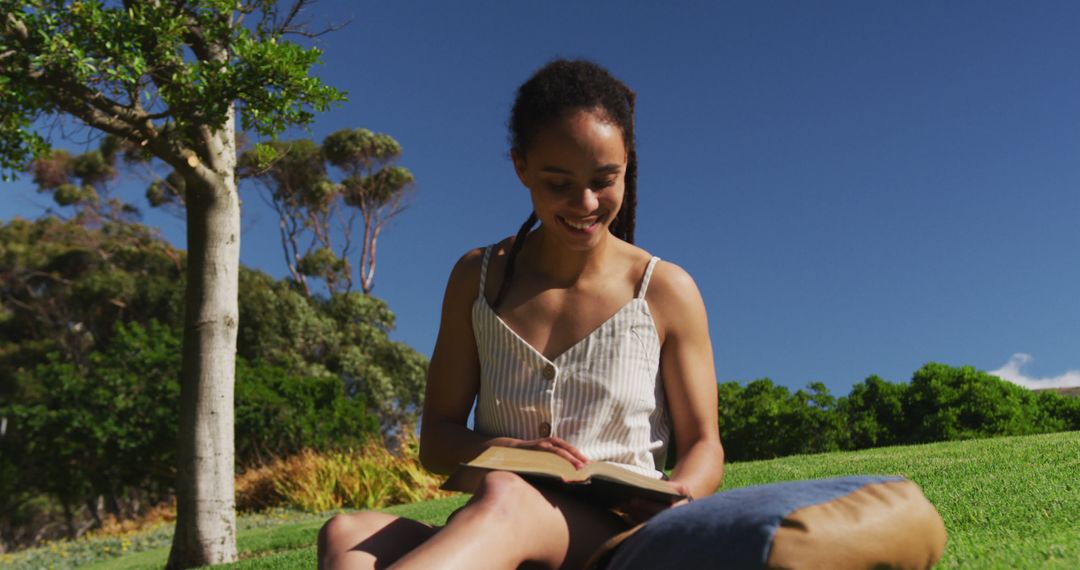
[549,372]
[545,429]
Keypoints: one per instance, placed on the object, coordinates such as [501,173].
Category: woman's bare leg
[368,540]
[509,523]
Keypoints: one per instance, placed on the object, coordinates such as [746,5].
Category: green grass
[1009,502]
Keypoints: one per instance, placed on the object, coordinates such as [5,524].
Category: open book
[601,482]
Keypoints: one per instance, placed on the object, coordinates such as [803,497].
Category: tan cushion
[883,525]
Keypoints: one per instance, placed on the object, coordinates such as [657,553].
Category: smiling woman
[572,340]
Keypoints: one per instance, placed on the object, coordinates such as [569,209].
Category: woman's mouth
[583,226]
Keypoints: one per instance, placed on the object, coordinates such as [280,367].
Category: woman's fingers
[563,444]
[564,450]
[577,463]
[559,447]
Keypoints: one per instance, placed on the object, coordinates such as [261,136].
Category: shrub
[364,478]
[764,420]
[108,431]
[873,413]
[279,414]
[947,403]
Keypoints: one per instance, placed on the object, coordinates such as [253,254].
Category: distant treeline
[763,420]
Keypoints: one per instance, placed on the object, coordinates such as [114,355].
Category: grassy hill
[1011,502]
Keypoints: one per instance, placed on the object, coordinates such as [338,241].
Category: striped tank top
[603,395]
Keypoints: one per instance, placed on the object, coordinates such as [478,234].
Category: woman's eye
[559,187]
[597,184]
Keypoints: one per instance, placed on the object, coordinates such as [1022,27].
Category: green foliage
[178,65]
[169,190]
[90,319]
[109,428]
[100,430]
[766,420]
[945,403]
[309,204]
[348,148]
[318,262]
[345,336]
[292,168]
[941,403]
[874,412]
[64,286]
[278,413]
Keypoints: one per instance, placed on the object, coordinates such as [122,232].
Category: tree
[293,174]
[83,181]
[373,185]
[947,403]
[171,76]
[874,413]
[310,205]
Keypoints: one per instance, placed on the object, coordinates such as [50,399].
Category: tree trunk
[205,499]
[69,518]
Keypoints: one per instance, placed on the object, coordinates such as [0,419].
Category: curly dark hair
[555,90]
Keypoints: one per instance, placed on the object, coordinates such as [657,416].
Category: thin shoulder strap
[648,275]
[483,269]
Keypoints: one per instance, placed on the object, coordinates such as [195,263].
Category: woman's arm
[686,367]
[453,381]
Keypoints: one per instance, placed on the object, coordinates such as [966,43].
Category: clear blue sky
[857,187]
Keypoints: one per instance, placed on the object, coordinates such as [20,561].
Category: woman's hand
[636,510]
[551,444]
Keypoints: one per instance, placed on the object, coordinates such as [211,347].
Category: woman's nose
[588,199]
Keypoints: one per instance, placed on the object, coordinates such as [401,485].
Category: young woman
[569,338]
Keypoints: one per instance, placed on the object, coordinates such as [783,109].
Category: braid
[623,225]
[508,271]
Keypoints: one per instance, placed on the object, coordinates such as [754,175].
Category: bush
[365,478]
[873,413]
[110,432]
[98,435]
[947,403]
[763,420]
[279,414]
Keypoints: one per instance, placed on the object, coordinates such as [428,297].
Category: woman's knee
[368,539]
[499,486]
[505,493]
[344,531]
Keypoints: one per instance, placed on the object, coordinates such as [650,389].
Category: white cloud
[1013,373]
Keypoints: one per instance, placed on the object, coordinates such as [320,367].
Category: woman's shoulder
[673,297]
[467,271]
[670,279]
[667,278]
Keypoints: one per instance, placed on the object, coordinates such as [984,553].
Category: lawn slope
[1011,502]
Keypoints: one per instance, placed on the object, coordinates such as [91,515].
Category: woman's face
[574,170]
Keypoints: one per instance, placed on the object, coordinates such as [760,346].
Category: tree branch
[287,27]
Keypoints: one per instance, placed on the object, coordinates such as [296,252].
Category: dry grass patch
[366,478]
